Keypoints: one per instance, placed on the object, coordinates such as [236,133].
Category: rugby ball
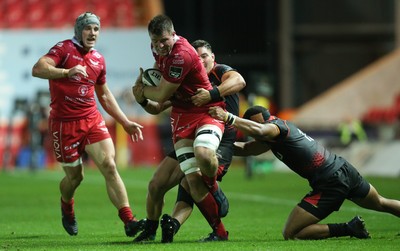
[151,77]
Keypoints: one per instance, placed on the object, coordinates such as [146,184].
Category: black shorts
[224,153]
[329,193]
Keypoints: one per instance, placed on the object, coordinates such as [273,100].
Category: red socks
[210,182]
[209,208]
[68,209]
[125,214]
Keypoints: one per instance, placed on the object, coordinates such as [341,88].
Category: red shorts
[184,125]
[71,137]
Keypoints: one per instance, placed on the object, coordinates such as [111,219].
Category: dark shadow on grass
[196,242]
[20,237]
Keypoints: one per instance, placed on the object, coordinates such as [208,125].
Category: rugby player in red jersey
[196,135]
[227,82]
[76,72]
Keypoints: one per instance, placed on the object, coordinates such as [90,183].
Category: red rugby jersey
[183,66]
[74,98]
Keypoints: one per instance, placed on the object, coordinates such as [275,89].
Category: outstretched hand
[134,129]
[202,97]
[217,113]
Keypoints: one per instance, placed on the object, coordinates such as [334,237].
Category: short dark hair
[159,24]
[201,43]
[256,110]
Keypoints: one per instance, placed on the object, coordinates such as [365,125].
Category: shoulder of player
[222,68]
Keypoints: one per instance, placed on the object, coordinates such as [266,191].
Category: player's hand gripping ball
[151,77]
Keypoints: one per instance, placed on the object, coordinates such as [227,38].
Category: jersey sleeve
[221,69]
[283,128]
[57,53]
[101,80]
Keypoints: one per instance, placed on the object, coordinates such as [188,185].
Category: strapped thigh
[187,160]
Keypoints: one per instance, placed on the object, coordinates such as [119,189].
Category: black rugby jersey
[215,75]
[301,153]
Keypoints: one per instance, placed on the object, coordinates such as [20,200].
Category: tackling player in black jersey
[332,178]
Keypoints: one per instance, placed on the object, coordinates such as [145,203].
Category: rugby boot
[69,223]
[169,227]
[357,228]
[215,237]
[149,231]
[133,227]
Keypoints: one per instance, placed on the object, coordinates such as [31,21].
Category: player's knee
[155,189]
[204,156]
[288,234]
[206,143]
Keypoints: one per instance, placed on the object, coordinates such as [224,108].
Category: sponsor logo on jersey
[77,57]
[178,61]
[94,63]
[96,54]
[83,90]
[175,72]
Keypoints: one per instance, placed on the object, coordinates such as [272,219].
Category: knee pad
[187,160]
[208,136]
[184,196]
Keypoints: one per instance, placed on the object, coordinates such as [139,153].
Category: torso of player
[215,76]
[74,98]
[301,153]
[183,66]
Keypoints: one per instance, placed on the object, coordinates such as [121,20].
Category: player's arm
[231,82]
[154,107]
[45,68]
[250,148]
[248,127]
[110,105]
[160,93]
[148,105]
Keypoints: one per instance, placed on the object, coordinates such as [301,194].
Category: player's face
[163,44]
[89,35]
[207,58]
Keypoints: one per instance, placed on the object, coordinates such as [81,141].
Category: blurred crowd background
[330,66]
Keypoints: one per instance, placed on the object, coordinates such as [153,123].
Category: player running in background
[330,176]
[76,71]
[196,135]
[227,82]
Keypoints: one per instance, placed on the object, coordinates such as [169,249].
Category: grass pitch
[30,214]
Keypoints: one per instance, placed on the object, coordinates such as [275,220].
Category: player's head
[204,50]
[82,21]
[160,24]
[162,34]
[257,114]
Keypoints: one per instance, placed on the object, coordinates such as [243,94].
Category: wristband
[64,73]
[144,102]
[214,94]
[230,119]
[226,117]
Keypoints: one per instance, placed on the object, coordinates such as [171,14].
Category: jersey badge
[175,72]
